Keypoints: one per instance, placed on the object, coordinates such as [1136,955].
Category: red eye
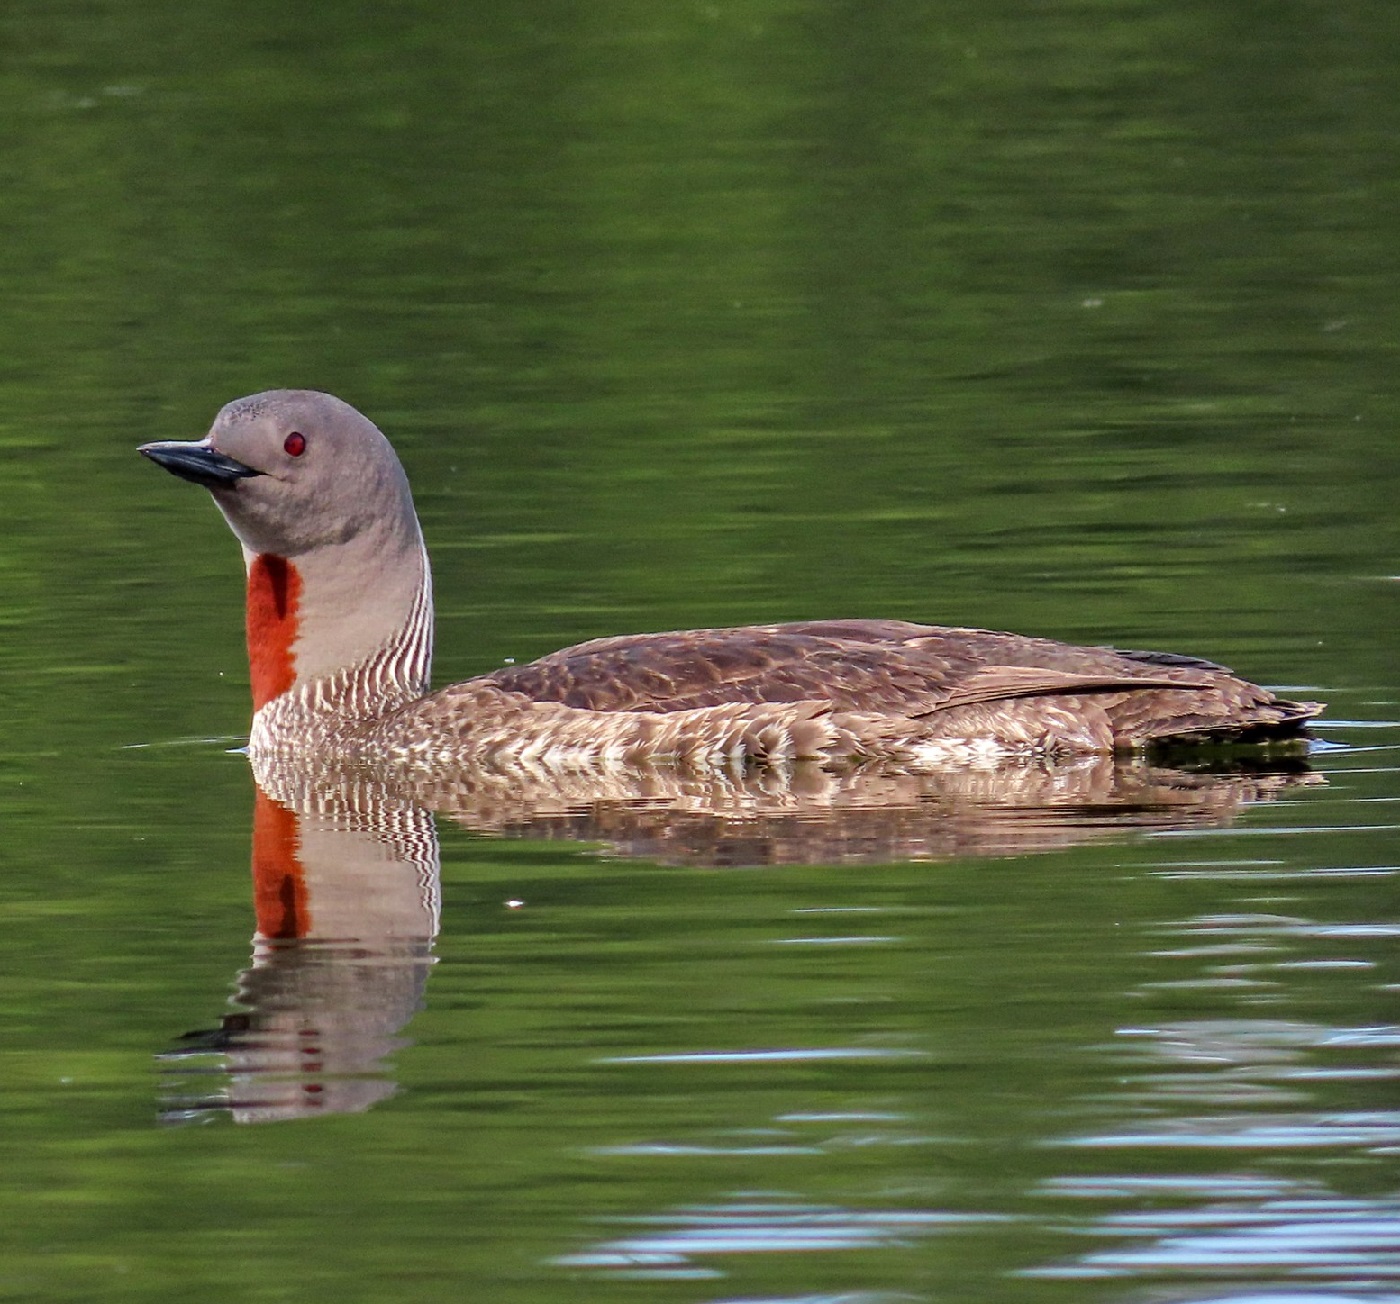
[295,443]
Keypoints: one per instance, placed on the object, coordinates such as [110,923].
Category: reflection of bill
[347,909]
[346,892]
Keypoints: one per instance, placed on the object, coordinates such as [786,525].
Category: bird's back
[900,670]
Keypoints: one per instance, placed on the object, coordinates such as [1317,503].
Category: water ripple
[762,1228]
[1312,1238]
[795,1054]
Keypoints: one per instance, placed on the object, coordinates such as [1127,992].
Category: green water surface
[1077,318]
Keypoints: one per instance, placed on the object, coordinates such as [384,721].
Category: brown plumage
[893,667]
[318,498]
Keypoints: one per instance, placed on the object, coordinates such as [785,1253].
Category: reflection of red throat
[279,881]
[274,602]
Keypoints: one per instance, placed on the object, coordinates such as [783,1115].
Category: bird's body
[339,621]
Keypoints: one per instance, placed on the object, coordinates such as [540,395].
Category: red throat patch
[274,603]
[279,881]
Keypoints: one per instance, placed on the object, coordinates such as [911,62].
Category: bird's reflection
[346,879]
[346,897]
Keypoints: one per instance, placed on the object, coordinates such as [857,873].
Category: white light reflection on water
[1255,871]
[1244,1223]
[1250,1094]
[1279,926]
[1279,1297]
[670,1241]
[1379,1133]
[853,940]
[849,1297]
[796,1054]
[1318,1238]
[783,1141]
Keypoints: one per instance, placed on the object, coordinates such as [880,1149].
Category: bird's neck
[344,632]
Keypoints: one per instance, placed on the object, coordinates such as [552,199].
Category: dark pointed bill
[197,462]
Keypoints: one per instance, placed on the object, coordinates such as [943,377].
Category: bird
[339,619]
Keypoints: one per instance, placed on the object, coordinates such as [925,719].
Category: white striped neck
[337,639]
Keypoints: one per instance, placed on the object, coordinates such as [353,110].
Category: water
[1072,319]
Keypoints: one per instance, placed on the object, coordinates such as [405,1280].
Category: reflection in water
[803,814]
[1298,1232]
[1242,1156]
[666,1245]
[346,900]
[1254,1229]
[346,894]
[1246,1095]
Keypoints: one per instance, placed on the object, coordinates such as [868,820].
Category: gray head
[294,470]
[338,578]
